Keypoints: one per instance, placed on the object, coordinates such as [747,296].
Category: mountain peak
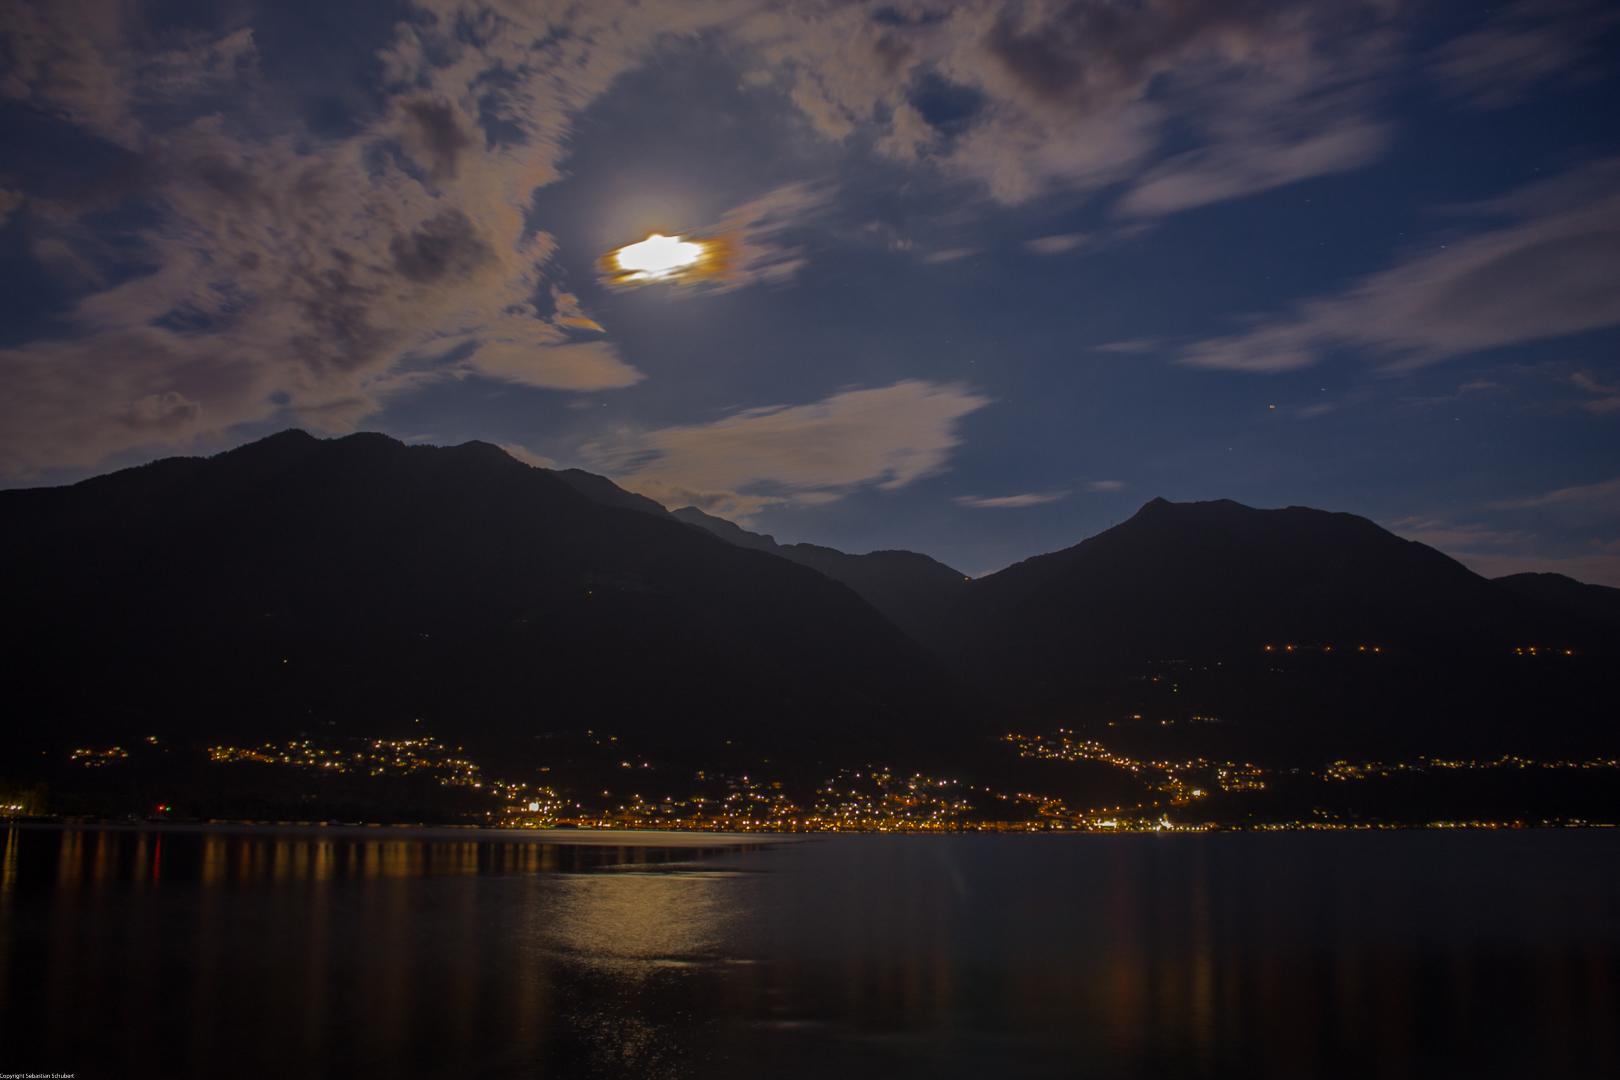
[292,440]
[1160,508]
[289,436]
[376,580]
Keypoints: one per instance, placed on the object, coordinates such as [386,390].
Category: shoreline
[697,837]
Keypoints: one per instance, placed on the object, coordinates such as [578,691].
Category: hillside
[1596,603]
[359,582]
[913,591]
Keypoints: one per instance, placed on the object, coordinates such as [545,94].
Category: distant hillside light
[657,258]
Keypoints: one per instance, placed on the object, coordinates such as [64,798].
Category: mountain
[360,583]
[1208,580]
[729,531]
[1595,603]
[913,591]
[600,489]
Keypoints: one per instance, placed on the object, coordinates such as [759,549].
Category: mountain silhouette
[1595,603]
[365,586]
[1207,580]
[913,591]
[362,583]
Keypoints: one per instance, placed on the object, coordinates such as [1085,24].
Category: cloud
[1131,347]
[1607,399]
[1057,244]
[1075,96]
[1526,44]
[1594,569]
[569,313]
[1494,552]
[1238,168]
[297,273]
[1603,496]
[1464,390]
[1010,502]
[1438,533]
[884,438]
[946,255]
[1033,498]
[1497,552]
[314,274]
[582,365]
[1544,273]
[10,203]
[67,59]
[750,244]
[757,234]
[528,457]
[758,242]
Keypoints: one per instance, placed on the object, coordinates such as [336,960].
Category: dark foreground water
[381,953]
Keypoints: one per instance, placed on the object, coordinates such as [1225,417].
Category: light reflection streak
[1170,955]
[632,923]
[8,885]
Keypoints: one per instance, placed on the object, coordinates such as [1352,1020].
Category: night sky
[995,274]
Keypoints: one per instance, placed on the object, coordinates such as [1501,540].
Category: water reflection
[632,923]
[175,953]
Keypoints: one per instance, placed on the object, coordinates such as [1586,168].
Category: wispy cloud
[1132,347]
[1541,275]
[1237,168]
[1606,396]
[757,237]
[946,255]
[1010,502]
[1595,568]
[884,438]
[528,457]
[1495,552]
[1057,244]
[1453,537]
[1603,496]
[1525,44]
[1075,96]
[1035,498]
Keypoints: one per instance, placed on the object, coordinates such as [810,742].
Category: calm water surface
[382,953]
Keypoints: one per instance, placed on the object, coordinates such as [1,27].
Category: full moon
[657,257]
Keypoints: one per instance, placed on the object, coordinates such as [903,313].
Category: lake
[371,952]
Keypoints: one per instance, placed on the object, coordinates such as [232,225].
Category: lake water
[386,953]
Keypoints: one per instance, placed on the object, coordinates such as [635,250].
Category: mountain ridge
[364,582]
[1217,578]
[296,580]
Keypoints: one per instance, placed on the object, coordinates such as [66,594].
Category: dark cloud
[234,183]
[1087,53]
[1527,43]
[161,413]
[440,135]
[447,243]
